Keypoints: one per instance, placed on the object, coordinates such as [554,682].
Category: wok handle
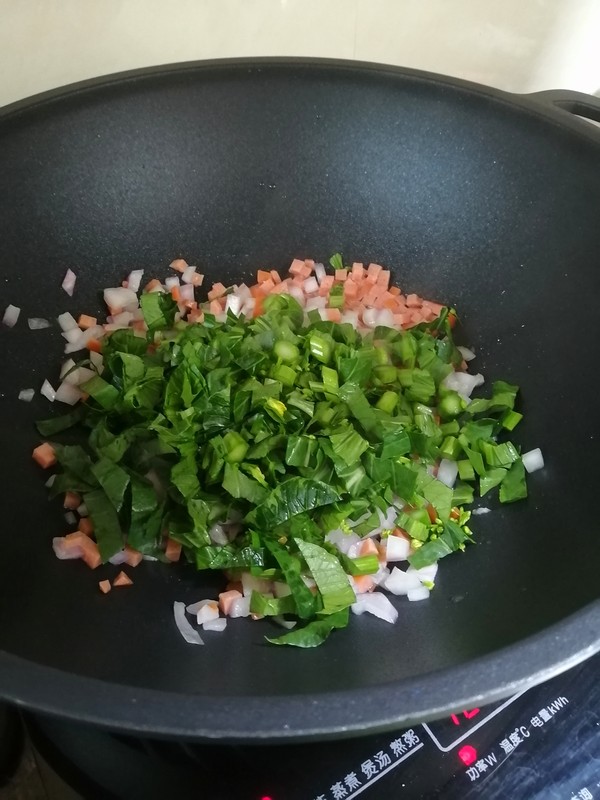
[579,103]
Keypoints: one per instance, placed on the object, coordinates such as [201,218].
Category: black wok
[482,199]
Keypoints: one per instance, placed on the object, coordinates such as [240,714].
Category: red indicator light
[466,714]
[467,755]
[266,797]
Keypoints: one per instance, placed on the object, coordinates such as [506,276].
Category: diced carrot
[151,285]
[357,270]
[363,583]
[341,274]
[85,321]
[105,586]
[180,265]
[133,557]
[86,526]
[368,548]
[275,276]
[257,290]
[122,579]
[125,284]
[350,288]
[197,279]
[309,262]
[334,314]
[72,501]
[413,301]
[172,550]
[234,586]
[395,290]
[217,291]
[263,275]
[374,269]
[267,285]
[297,267]
[176,293]
[258,307]
[94,345]
[227,598]
[435,307]
[196,315]
[327,283]
[389,301]
[383,279]
[372,296]
[91,554]
[215,307]
[44,455]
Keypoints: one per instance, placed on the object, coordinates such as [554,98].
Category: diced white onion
[377,604]
[26,395]
[186,292]
[533,460]
[97,360]
[421,593]
[240,607]
[185,629]
[463,383]
[466,353]
[320,272]
[388,520]
[481,510]
[216,624]
[120,557]
[118,299]
[350,317]
[381,575]
[385,318]
[447,472]
[188,275]
[71,335]
[70,518]
[281,589]
[426,574]
[50,481]
[124,318]
[67,393]
[250,584]
[233,304]
[314,303]
[79,375]
[134,279]
[96,332]
[193,608]
[38,323]
[82,510]
[48,391]
[370,317]
[67,321]
[399,582]
[11,315]
[207,613]
[172,281]
[310,285]
[63,552]
[397,548]
[217,534]
[343,541]
[68,283]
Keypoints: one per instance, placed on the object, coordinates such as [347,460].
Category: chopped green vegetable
[268,434]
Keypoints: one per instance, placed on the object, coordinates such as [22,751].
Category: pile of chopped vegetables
[312,437]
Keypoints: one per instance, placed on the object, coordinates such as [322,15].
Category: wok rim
[269,719]
[275,719]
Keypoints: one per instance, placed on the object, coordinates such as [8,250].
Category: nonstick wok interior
[471,197]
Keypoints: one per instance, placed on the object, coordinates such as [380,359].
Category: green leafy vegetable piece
[315,633]
[514,484]
[113,480]
[293,496]
[106,523]
[329,576]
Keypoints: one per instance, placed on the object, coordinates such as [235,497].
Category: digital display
[450,732]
